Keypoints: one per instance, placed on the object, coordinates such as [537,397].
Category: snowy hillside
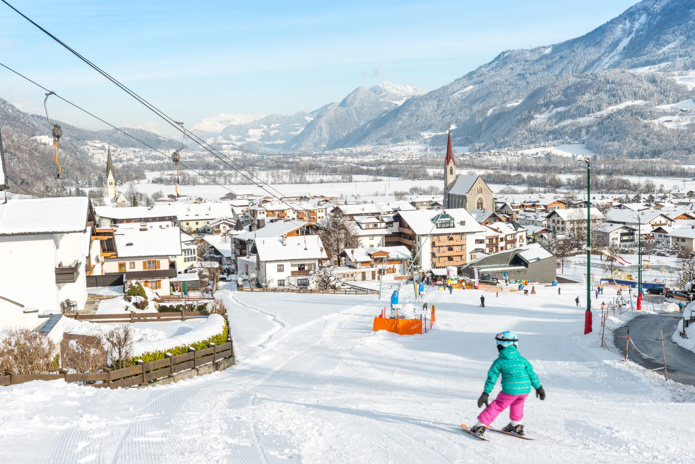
[314,384]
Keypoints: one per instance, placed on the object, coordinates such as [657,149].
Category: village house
[379,263]
[108,216]
[222,225]
[284,261]
[613,235]
[243,242]
[683,237]
[571,221]
[649,219]
[140,254]
[44,244]
[371,231]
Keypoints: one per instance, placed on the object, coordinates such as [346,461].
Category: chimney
[253,227]
[463,223]
[143,226]
[284,241]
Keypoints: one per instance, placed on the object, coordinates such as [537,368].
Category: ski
[511,434]
[464,427]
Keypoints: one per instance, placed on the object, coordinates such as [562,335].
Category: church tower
[110,179]
[449,172]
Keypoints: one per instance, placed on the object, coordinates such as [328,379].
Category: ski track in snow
[313,384]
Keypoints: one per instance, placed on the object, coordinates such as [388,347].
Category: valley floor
[314,384]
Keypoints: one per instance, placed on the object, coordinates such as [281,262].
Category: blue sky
[200,59]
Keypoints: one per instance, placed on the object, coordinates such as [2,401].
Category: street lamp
[588,232]
[639,255]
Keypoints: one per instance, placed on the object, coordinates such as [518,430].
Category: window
[371,237]
[131,265]
[451,170]
[480,189]
[303,282]
[451,258]
[480,204]
[479,241]
[301,267]
[150,264]
[121,267]
[281,283]
[281,268]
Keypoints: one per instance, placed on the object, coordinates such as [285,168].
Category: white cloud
[376,73]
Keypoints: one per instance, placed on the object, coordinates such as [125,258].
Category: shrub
[136,289]
[119,345]
[25,352]
[188,307]
[83,353]
[217,307]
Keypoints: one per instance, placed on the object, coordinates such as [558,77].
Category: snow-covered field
[314,384]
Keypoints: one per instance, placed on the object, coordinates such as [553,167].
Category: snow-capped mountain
[215,124]
[310,131]
[519,87]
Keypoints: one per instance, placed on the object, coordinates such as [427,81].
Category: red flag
[588,321]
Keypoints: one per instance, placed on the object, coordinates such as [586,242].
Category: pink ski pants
[515,403]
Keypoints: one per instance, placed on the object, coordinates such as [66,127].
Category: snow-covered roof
[480,214]
[202,211]
[363,255]
[133,243]
[375,231]
[535,252]
[635,206]
[274,229]
[627,216]
[222,243]
[423,222]
[44,216]
[573,214]
[530,230]
[463,184]
[307,247]
[610,227]
[136,212]
[683,232]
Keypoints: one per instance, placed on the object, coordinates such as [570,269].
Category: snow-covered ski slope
[314,385]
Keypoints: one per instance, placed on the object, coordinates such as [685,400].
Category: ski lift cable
[113,127]
[57,132]
[161,114]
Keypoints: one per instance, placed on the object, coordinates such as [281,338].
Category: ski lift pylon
[57,133]
[176,157]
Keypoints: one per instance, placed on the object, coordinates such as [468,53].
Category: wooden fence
[138,317]
[309,290]
[140,374]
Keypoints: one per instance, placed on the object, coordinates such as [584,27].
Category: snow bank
[140,334]
[214,325]
[687,343]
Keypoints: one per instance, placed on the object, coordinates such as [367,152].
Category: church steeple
[449,171]
[110,178]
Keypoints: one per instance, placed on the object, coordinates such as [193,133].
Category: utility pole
[588,233]
[639,255]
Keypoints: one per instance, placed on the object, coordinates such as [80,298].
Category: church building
[469,192]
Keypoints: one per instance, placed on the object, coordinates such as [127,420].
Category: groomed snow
[314,384]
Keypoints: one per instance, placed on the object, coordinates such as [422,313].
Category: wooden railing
[138,317]
[141,374]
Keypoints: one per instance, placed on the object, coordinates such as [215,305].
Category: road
[645,333]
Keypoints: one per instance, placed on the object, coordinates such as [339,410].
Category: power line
[213,151]
[112,126]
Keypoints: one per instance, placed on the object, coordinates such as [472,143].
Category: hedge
[188,307]
[219,339]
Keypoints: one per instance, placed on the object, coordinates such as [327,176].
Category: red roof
[449,153]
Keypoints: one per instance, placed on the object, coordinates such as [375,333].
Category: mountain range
[635,73]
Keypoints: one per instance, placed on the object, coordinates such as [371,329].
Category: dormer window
[443,221]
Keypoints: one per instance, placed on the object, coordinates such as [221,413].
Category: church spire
[449,153]
[109,163]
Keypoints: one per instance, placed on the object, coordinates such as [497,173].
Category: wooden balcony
[305,272]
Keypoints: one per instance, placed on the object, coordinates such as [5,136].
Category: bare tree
[687,267]
[325,279]
[83,353]
[337,233]
[119,345]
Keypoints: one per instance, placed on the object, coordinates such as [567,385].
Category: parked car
[488,279]
[657,290]
[676,294]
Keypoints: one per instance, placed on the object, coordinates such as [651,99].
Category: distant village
[55,251]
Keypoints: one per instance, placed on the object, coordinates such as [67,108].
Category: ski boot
[515,429]
[478,430]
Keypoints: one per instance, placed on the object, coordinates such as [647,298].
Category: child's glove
[540,393]
[483,400]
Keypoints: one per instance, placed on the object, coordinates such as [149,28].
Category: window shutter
[144,265]
[156,264]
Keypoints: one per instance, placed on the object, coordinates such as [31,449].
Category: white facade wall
[29,263]
[269,274]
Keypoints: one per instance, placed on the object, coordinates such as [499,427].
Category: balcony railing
[304,272]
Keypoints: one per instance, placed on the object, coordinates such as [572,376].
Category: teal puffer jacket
[517,373]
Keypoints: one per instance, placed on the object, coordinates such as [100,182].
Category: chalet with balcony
[380,263]
[442,238]
[140,254]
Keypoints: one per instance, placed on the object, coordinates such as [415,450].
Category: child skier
[517,379]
